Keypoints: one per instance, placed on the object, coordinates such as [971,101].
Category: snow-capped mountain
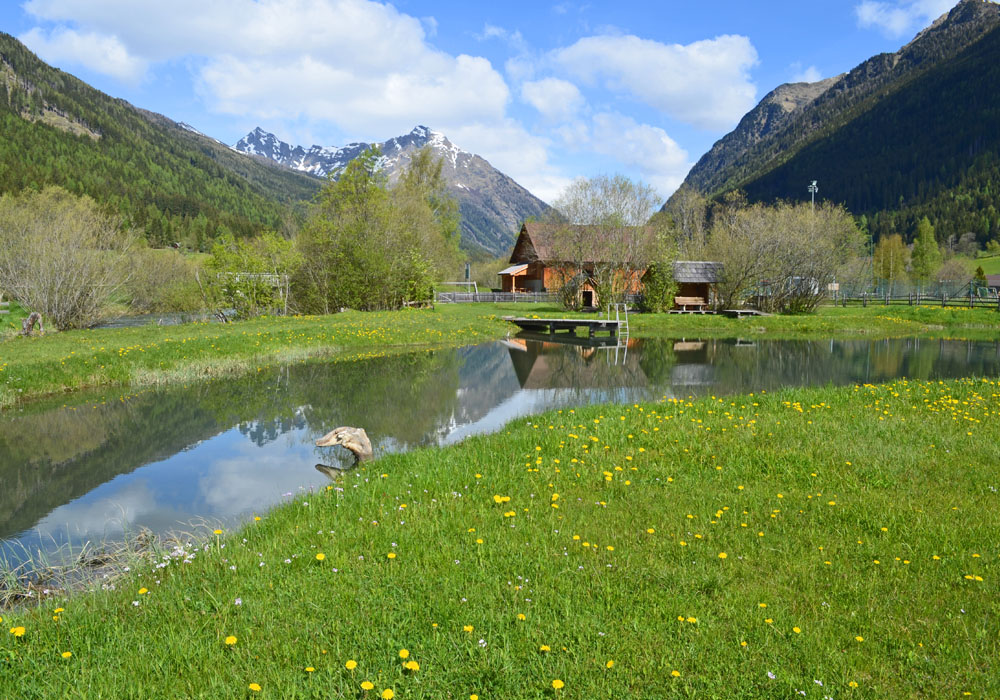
[493,206]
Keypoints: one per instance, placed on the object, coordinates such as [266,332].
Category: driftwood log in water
[354,439]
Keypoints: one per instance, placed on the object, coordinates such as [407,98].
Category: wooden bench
[684,302]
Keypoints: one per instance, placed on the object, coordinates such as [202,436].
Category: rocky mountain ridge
[794,115]
[492,205]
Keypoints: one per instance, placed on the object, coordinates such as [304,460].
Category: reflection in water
[224,449]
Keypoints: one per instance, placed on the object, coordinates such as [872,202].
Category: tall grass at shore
[148,355]
[837,542]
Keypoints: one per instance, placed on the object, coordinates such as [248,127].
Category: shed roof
[513,269]
[697,271]
[993,280]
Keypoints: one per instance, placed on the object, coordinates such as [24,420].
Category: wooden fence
[494,297]
[965,301]
[515,297]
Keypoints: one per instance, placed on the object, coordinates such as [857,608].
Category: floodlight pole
[813,189]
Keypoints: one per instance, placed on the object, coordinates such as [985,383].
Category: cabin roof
[536,242]
[697,271]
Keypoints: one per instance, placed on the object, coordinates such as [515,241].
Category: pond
[90,466]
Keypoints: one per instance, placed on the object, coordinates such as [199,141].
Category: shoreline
[150,355]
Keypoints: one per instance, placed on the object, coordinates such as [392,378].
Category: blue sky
[546,91]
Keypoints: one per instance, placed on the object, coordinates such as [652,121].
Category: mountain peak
[493,206]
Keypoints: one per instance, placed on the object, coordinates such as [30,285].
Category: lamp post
[813,189]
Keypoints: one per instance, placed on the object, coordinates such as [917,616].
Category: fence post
[942,298]
[864,299]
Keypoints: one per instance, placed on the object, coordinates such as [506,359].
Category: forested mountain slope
[901,136]
[178,184]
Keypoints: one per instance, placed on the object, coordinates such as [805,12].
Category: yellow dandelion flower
[391,555]
[411,666]
[610,664]
[404,653]
[230,640]
[796,630]
[387,694]
[367,685]
[67,654]
[351,664]
[320,556]
[143,591]
[859,638]
[521,616]
[217,532]
[544,647]
[309,669]
[467,628]
[557,684]
[853,684]
[254,687]
[17,631]
[722,555]
[650,530]
[675,673]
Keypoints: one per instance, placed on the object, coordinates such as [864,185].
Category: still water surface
[222,450]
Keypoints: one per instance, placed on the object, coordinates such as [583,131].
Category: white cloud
[557,100]
[662,162]
[900,17]
[806,75]
[103,54]
[360,65]
[705,83]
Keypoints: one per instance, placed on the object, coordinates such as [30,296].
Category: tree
[926,256]
[369,246]
[251,276]
[890,259]
[61,256]
[784,255]
[604,232]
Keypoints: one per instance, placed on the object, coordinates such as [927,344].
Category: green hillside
[176,184]
[929,148]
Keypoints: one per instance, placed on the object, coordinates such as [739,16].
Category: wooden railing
[965,301]
[495,297]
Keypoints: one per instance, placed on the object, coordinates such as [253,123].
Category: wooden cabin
[535,266]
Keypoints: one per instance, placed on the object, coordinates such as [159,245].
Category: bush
[164,281]
[61,256]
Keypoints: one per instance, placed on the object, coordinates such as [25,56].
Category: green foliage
[890,259]
[368,246]
[252,276]
[926,256]
[659,287]
[175,185]
[980,277]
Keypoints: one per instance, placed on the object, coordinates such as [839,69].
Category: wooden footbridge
[551,325]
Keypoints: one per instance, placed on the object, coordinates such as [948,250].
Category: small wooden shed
[697,279]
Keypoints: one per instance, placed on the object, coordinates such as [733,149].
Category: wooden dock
[551,325]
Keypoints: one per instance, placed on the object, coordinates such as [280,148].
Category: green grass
[870,561]
[58,362]
[990,264]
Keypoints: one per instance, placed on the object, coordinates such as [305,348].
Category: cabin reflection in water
[577,364]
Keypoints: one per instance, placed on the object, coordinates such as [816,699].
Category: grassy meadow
[148,355]
[838,542]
